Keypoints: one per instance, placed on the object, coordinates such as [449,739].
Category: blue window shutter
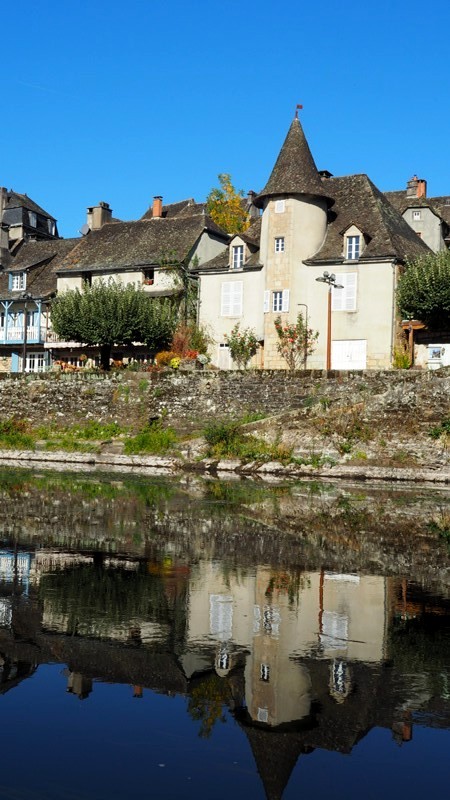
[14,362]
[10,281]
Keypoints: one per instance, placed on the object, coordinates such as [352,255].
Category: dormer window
[32,219]
[238,256]
[18,281]
[279,244]
[416,215]
[353,247]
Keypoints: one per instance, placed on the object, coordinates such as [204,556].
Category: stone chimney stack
[416,187]
[4,245]
[157,207]
[252,210]
[100,215]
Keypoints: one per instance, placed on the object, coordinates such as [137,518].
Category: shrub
[153,438]
[295,341]
[243,345]
[164,358]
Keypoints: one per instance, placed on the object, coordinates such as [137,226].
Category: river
[198,638]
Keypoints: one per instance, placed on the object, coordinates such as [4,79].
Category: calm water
[207,639]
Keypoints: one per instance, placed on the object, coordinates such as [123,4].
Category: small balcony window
[32,219]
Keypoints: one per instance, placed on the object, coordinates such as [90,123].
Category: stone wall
[189,399]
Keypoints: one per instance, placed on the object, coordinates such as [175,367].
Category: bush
[15,433]
[153,438]
[225,440]
[164,358]
[243,345]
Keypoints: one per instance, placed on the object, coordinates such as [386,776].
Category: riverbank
[170,466]
[381,426]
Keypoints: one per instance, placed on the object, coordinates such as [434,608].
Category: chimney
[4,245]
[416,187]
[157,207]
[100,215]
[252,210]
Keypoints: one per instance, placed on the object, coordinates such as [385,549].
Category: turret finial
[296,110]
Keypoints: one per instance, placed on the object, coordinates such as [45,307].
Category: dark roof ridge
[295,171]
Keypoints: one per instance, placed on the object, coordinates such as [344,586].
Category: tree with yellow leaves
[224,205]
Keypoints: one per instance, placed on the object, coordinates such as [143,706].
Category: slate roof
[185,207]
[439,205]
[359,202]
[295,171]
[127,245]
[16,200]
[222,262]
[40,260]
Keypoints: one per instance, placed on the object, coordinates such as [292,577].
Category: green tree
[224,205]
[107,314]
[423,290]
[243,345]
[295,341]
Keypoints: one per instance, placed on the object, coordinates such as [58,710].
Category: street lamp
[25,297]
[329,279]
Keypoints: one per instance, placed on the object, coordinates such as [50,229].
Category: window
[149,276]
[35,362]
[280,206]
[280,301]
[221,615]
[32,218]
[51,227]
[264,672]
[345,299]
[353,247]
[238,256]
[263,714]
[417,215]
[279,244]
[231,299]
[18,281]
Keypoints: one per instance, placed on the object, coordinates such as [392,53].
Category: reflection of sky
[113,746]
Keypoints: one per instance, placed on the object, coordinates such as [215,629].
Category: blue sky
[119,101]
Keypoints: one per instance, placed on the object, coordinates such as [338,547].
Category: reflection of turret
[78,684]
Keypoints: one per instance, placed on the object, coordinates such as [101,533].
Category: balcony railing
[15,333]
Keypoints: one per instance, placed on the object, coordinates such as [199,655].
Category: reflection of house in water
[282,620]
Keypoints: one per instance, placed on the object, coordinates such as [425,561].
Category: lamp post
[329,279]
[25,298]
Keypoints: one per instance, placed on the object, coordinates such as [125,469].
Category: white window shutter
[237,296]
[285,301]
[225,303]
[350,291]
[338,295]
[266,300]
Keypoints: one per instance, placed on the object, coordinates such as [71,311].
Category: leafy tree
[224,205]
[295,341]
[423,290]
[243,345]
[110,313]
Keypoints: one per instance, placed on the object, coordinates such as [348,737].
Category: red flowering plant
[295,341]
[243,345]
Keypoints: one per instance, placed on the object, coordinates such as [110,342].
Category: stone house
[22,219]
[429,217]
[311,224]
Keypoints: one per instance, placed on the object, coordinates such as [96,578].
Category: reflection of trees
[93,599]
[206,703]
[420,646]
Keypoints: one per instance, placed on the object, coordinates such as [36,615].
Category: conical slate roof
[295,171]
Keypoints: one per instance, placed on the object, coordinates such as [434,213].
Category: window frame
[18,281]
[353,247]
[280,245]
[237,256]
